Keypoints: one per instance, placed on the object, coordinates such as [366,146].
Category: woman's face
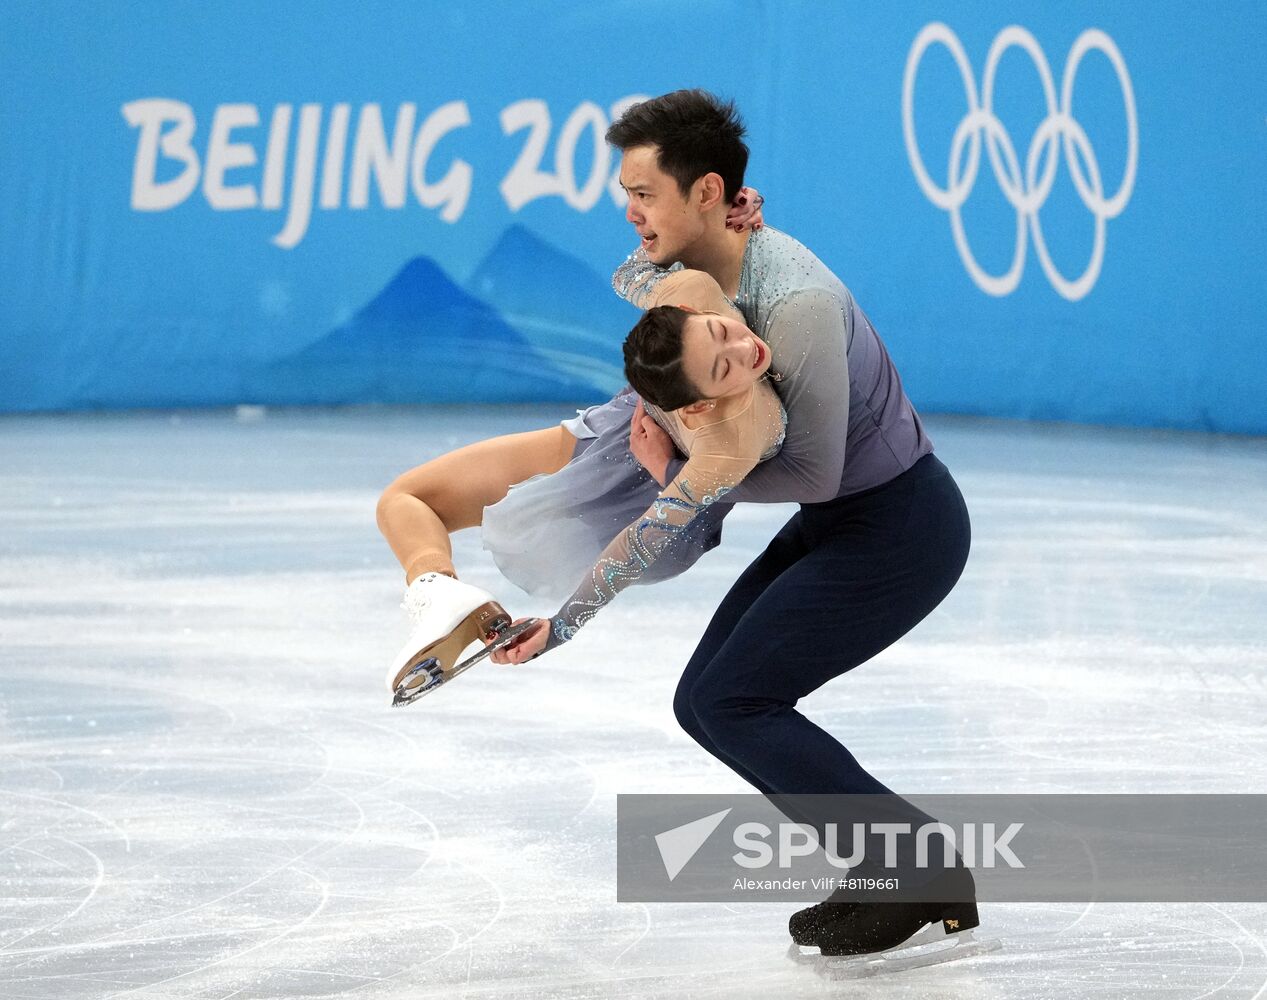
[721,356]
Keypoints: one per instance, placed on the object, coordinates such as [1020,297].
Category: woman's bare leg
[417,513]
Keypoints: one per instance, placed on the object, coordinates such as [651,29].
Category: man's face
[661,214]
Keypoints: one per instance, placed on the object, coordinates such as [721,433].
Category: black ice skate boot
[876,927]
[805,925]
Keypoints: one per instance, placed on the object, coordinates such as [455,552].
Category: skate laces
[417,600]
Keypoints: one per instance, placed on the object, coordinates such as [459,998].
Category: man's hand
[746,211]
[650,445]
[528,645]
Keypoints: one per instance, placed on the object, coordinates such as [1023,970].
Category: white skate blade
[926,947]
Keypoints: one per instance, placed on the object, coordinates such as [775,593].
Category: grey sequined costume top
[850,426]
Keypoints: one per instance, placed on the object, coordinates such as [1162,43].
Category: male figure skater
[882,534]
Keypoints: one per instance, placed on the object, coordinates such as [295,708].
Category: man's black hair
[694,134]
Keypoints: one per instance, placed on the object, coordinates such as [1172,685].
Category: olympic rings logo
[1029,192]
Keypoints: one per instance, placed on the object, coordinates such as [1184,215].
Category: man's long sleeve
[808,335]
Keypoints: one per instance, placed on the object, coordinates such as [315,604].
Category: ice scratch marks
[251,846]
[92,891]
[323,889]
[1253,939]
[472,858]
[646,929]
[46,862]
[61,804]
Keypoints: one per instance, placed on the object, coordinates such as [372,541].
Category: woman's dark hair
[694,133]
[653,359]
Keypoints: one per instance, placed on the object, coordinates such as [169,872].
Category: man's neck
[719,253]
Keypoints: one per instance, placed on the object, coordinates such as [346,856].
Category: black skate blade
[431,675]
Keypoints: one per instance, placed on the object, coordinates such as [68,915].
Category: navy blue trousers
[841,581]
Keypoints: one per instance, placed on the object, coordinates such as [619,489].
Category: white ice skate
[448,617]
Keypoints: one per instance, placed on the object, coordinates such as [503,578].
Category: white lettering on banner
[301,178]
[589,116]
[526,182]
[1027,192]
[275,159]
[223,156]
[148,195]
[336,144]
[167,127]
[455,188]
[389,163]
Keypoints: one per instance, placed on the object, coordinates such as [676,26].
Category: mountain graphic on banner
[560,305]
[535,325]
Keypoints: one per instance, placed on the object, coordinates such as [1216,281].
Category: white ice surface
[203,792]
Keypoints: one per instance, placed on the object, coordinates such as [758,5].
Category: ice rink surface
[205,794]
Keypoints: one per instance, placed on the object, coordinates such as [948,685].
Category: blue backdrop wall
[1053,211]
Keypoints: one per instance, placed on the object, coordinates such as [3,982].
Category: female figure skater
[554,503]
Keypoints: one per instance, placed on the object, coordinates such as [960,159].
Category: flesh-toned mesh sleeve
[698,290]
[636,279]
[687,287]
[722,454]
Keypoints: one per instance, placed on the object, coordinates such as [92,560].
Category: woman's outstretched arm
[418,512]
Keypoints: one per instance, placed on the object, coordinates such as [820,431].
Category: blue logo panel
[1053,217]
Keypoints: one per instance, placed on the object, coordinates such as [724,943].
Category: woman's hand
[649,444]
[746,211]
[528,645]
